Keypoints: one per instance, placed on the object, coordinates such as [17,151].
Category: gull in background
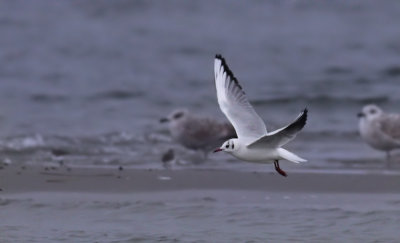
[197,132]
[254,143]
[379,129]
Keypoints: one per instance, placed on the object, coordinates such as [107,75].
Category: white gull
[254,143]
[379,129]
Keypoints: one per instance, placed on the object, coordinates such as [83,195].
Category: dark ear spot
[372,111]
[178,115]
[233,145]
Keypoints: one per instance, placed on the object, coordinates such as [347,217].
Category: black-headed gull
[254,143]
[379,129]
[197,132]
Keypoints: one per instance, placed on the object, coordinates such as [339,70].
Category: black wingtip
[303,118]
[222,59]
[228,70]
[300,122]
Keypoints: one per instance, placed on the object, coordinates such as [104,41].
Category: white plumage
[254,143]
[379,129]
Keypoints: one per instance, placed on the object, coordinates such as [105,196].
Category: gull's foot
[278,169]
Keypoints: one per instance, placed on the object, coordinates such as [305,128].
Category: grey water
[200,216]
[93,79]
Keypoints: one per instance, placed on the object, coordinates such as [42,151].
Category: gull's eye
[372,111]
[227,145]
[178,115]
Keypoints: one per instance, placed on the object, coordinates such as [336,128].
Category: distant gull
[254,143]
[379,129]
[197,132]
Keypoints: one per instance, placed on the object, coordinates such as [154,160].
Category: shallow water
[200,216]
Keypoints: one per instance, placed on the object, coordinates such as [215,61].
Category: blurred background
[90,80]
[85,83]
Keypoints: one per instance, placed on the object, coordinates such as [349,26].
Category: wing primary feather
[300,122]
[228,71]
[234,104]
[284,135]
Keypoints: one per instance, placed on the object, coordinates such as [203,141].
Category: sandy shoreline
[108,205]
[13,179]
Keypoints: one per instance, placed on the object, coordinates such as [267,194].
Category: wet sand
[13,179]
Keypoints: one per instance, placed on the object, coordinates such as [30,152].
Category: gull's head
[370,112]
[175,116]
[228,146]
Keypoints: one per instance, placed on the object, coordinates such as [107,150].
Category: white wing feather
[234,104]
[283,135]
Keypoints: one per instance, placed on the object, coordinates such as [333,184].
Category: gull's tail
[284,154]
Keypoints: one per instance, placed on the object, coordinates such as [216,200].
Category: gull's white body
[254,143]
[257,155]
[264,155]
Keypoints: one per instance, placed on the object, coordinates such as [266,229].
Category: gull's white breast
[257,155]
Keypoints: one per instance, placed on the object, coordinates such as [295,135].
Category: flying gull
[254,143]
[379,129]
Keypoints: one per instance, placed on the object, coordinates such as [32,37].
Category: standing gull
[197,133]
[379,129]
[254,143]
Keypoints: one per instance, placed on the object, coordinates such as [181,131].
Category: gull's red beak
[217,150]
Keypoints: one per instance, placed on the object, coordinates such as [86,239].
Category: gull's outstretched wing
[234,104]
[283,135]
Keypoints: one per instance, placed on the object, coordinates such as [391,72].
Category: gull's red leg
[278,169]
